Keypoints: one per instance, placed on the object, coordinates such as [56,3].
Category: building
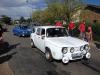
[91,13]
[76,16]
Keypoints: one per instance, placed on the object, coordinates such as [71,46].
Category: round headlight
[65,50]
[72,50]
[81,48]
[86,47]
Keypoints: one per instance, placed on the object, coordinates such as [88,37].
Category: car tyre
[14,34]
[19,35]
[32,44]
[48,55]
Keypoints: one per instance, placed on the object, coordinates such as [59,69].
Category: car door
[17,30]
[42,40]
[36,37]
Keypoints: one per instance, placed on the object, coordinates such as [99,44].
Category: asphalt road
[23,60]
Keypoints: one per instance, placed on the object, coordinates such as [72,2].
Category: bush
[96,31]
[76,30]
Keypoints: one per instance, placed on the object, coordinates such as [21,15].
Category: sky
[94,2]
[18,8]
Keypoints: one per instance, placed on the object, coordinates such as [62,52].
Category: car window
[33,30]
[38,31]
[24,27]
[56,32]
[43,32]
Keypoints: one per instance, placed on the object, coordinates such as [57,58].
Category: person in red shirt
[48,23]
[82,30]
[71,27]
[58,23]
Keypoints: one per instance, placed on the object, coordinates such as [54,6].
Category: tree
[69,6]
[29,20]
[58,9]
[5,19]
[36,15]
[22,19]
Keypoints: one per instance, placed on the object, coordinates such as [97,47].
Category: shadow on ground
[7,48]
[6,54]
[97,45]
[93,64]
[6,57]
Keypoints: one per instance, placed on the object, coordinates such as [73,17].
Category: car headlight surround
[86,47]
[81,48]
[64,50]
[72,50]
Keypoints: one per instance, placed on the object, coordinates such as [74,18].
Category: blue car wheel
[23,35]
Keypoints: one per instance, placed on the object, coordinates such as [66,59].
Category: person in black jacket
[1,31]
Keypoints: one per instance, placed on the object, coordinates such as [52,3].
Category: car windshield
[56,32]
[24,27]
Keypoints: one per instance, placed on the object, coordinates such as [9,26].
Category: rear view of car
[22,31]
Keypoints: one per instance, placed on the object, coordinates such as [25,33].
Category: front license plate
[77,55]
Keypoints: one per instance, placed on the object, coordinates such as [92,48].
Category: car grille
[77,49]
[77,55]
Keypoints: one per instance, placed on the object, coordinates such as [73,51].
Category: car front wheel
[48,55]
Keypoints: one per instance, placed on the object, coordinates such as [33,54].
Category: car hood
[67,41]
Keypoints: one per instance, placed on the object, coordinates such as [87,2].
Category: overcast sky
[17,8]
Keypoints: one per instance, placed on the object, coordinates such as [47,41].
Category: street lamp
[28,2]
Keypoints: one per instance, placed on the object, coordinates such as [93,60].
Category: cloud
[17,11]
[17,8]
[16,3]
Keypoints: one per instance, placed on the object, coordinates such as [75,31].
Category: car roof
[46,27]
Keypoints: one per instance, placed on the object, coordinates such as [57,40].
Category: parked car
[22,30]
[57,44]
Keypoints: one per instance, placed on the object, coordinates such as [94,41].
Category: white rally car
[56,44]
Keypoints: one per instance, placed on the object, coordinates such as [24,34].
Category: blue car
[22,30]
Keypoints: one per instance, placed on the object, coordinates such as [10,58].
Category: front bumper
[25,34]
[74,56]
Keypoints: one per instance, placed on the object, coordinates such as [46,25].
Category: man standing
[58,23]
[1,31]
[71,27]
[82,30]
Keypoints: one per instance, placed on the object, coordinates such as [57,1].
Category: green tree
[22,19]
[36,15]
[5,19]
[29,20]
[58,9]
[69,6]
